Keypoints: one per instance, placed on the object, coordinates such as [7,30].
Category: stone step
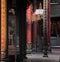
[56,51]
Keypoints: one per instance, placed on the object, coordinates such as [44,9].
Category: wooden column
[21,18]
[45,24]
[29,19]
[49,23]
[3,29]
[28,16]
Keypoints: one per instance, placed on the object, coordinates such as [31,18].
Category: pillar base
[45,56]
[29,48]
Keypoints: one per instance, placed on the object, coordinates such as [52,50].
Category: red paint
[49,23]
[28,15]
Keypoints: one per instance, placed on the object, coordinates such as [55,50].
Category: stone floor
[39,58]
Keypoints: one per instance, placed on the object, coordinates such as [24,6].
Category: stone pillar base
[29,48]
